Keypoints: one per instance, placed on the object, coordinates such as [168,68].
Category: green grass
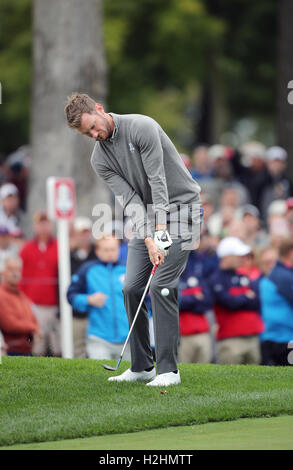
[46,399]
[246,433]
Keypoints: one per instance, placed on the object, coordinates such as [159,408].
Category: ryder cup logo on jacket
[192,281]
[131,147]
[244,281]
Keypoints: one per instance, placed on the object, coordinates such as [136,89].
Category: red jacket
[40,272]
[17,321]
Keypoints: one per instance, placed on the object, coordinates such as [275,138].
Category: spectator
[83,248]
[276,294]
[236,228]
[220,222]
[204,262]
[96,290]
[221,173]
[250,169]
[249,267]
[17,239]
[17,170]
[277,223]
[208,207]
[83,251]
[234,195]
[11,216]
[289,214]
[267,259]
[204,259]
[254,235]
[123,233]
[195,301]
[40,283]
[276,211]
[221,166]
[7,249]
[279,186]
[236,307]
[201,164]
[17,321]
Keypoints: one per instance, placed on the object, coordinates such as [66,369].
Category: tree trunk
[213,119]
[68,56]
[285,75]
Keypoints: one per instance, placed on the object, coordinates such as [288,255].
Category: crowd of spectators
[235,295]
[234,306]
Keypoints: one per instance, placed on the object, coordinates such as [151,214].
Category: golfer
[141,165]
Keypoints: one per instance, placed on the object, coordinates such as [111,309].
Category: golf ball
[165,291]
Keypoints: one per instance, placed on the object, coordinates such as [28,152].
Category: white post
[64,281]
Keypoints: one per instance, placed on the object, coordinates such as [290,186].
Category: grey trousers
[164,308]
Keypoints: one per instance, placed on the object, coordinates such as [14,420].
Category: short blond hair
[77,104]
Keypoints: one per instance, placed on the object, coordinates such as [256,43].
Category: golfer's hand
[97,300]
[156,255]
[163,240]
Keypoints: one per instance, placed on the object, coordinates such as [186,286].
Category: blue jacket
[110,321]
[192,279]
[195,298]
[203,263]
[276,294]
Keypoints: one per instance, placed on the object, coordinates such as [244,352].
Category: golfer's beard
[107,131]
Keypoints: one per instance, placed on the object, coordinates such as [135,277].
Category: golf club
[134,320]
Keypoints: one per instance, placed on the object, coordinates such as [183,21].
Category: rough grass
[45,399]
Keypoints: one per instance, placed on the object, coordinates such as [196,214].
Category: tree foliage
[15,72]
[160,54]
[156,54]
[248,55]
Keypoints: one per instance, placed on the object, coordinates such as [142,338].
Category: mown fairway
[246,433]
[46,399]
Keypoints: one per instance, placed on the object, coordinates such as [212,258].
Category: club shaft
[139,307]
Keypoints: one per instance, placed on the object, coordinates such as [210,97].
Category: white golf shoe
[164,380]
[129,376]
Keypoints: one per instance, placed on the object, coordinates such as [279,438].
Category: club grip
[154,269]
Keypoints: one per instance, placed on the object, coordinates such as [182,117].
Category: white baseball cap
[276,153]
[232,246]
[217,151]
[253,149]
[249,209]
[82,223]
[277,207]
[8,189]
